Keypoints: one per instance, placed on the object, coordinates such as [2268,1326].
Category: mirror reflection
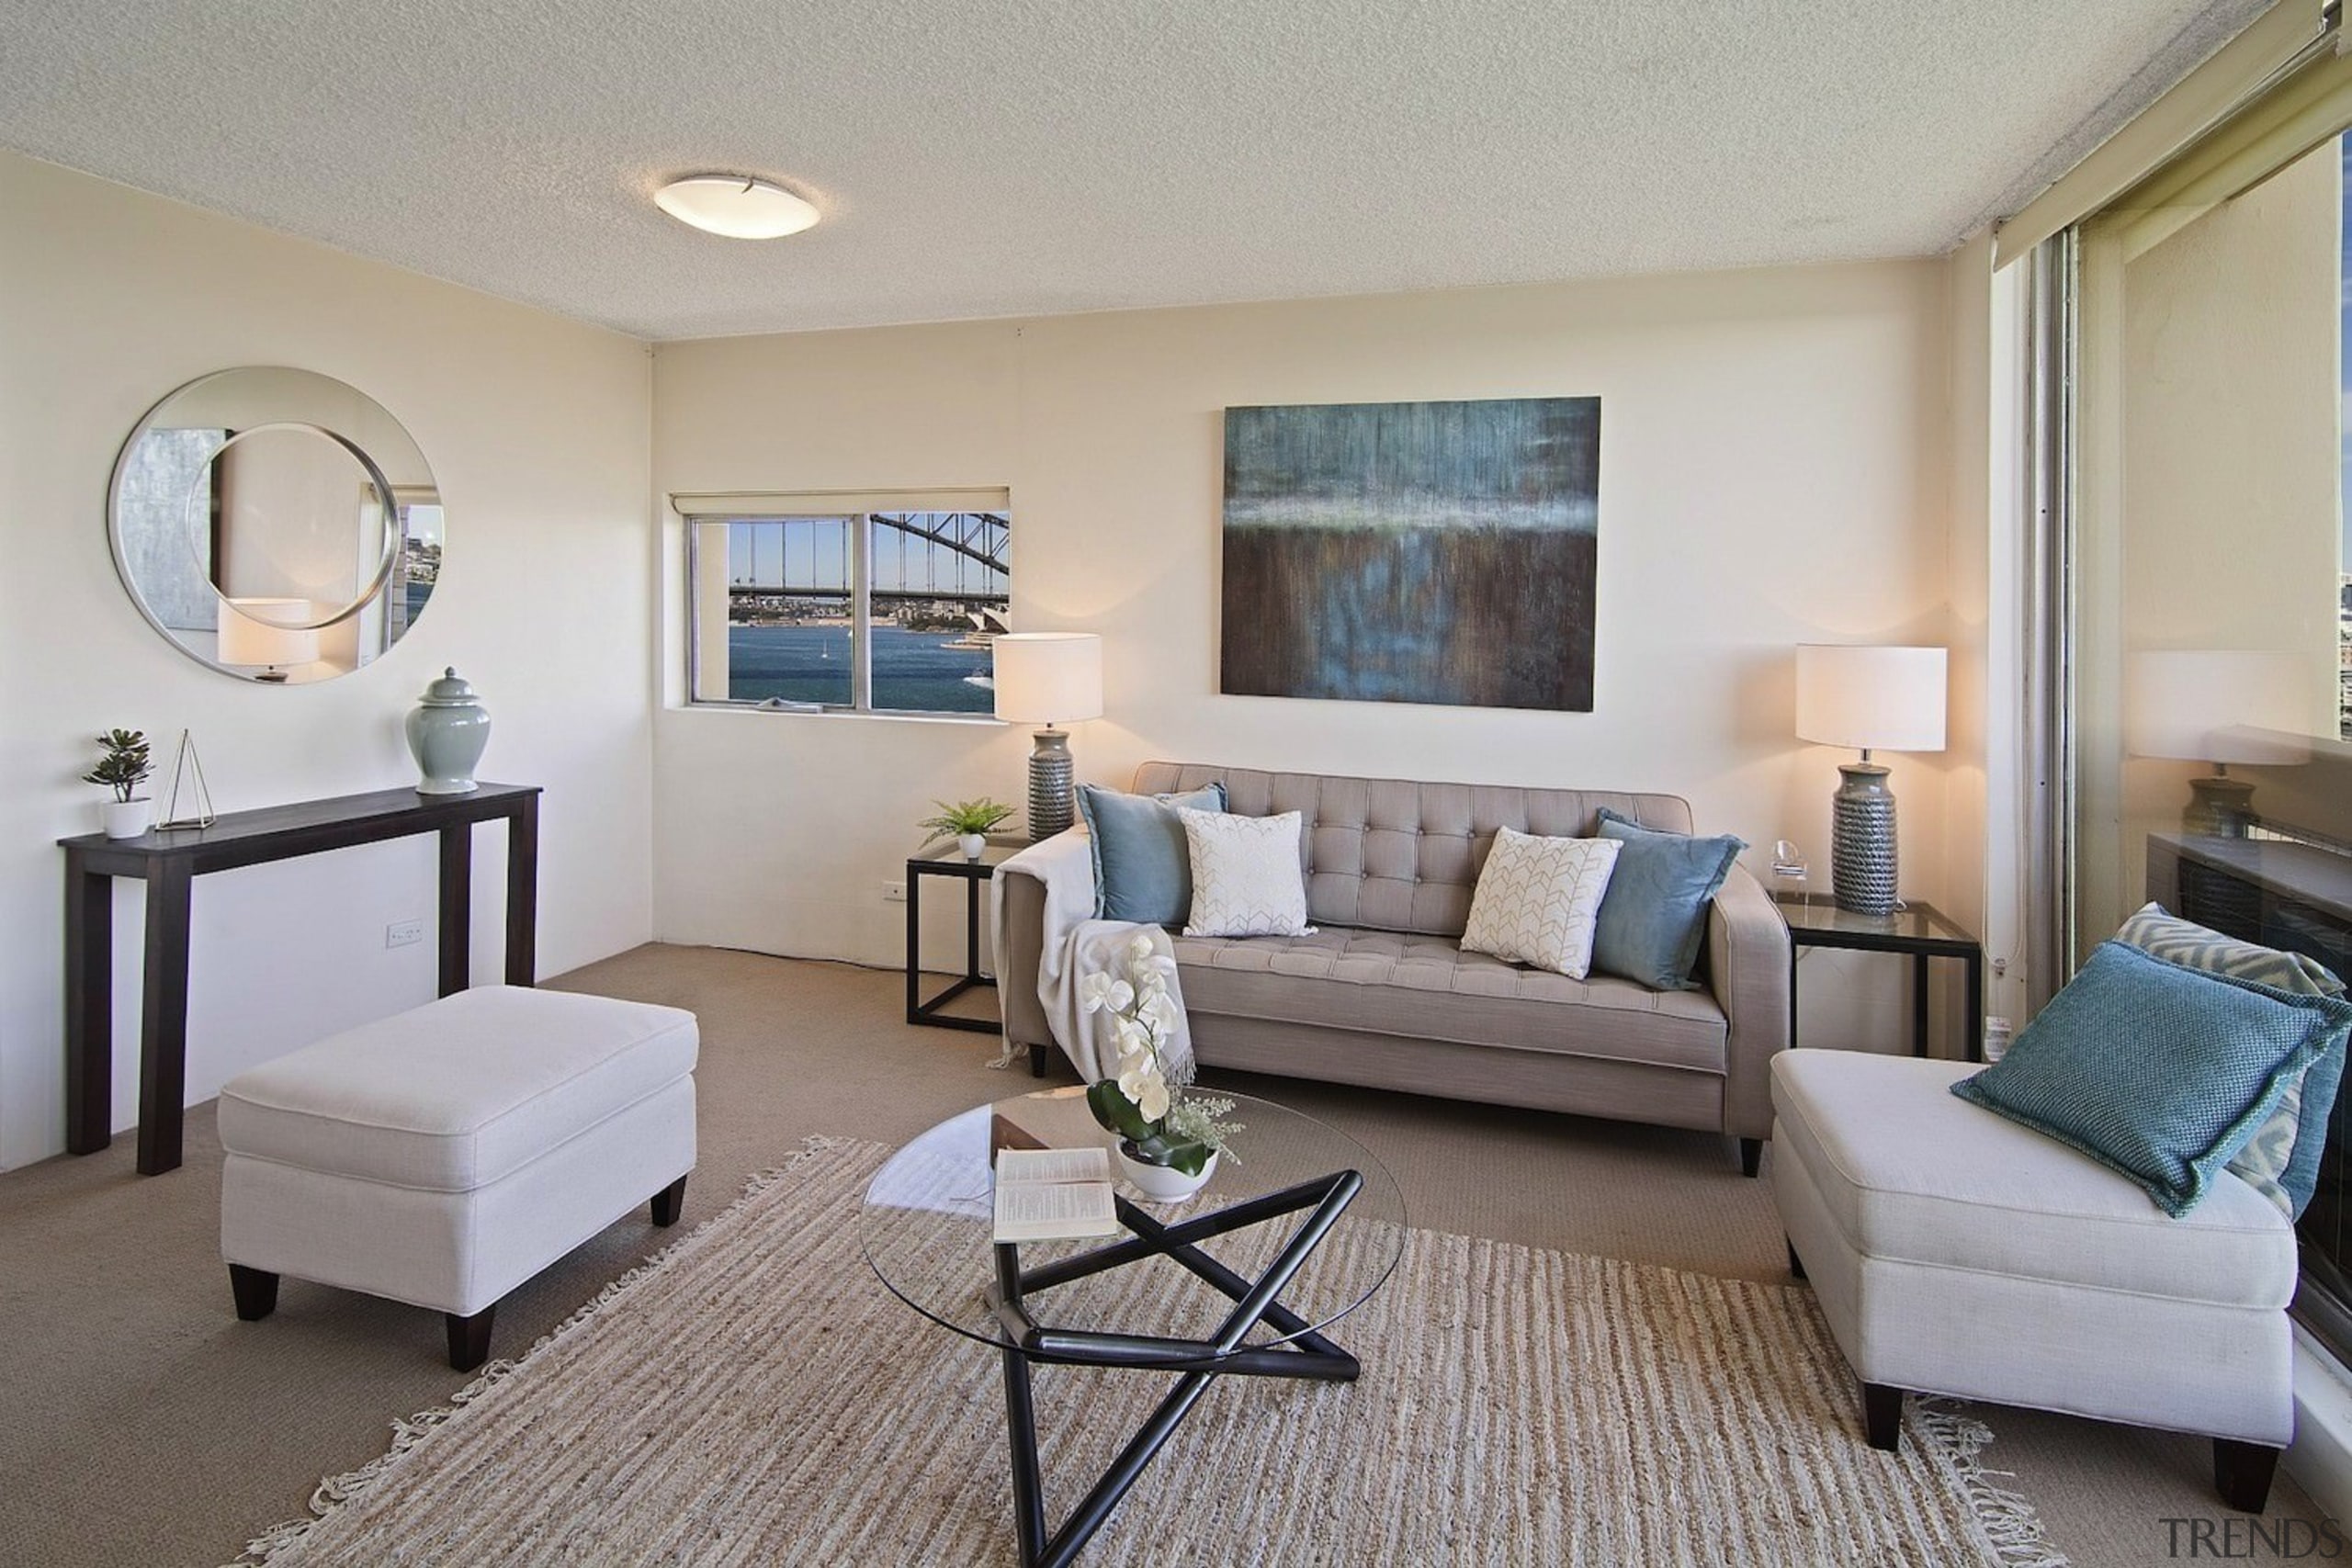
[277,525]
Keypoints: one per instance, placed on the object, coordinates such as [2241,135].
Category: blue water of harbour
[913,671]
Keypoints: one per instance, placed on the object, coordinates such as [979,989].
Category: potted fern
[122,768]
[969,822]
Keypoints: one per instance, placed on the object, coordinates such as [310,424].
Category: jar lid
[452,690]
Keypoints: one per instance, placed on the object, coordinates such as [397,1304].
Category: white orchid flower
[1099,992]
[1162,1013]
[1138,947]
[1138,1076]
[1131,1035]
[1153,1101]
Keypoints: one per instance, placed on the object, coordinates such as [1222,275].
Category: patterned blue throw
[2159,1072]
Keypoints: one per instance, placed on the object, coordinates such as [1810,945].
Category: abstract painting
[1438,552]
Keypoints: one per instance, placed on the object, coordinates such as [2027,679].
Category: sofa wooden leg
[469,1338]
[1883,1417]
[256,1290]
[1796,1264]
[669,1203]
[2242,1474]
[1751,1155]
[1037,1061]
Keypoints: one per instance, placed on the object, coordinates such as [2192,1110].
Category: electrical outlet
[404,934]
[894,892]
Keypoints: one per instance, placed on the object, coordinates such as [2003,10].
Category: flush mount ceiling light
[736,205]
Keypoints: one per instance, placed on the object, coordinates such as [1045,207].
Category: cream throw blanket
[1077,944]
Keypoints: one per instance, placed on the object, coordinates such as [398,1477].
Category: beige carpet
[755,1397]
[146,1426]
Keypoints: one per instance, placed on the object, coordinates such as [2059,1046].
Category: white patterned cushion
[1538,901]
[1245,876]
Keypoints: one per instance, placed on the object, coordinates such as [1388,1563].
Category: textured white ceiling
[1013,157]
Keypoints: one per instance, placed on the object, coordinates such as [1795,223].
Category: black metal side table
[953,865]
[1917,930]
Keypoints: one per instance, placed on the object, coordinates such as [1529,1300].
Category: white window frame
[857,510]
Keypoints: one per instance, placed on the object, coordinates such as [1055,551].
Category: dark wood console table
[168,860]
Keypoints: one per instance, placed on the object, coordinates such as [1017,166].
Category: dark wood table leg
[972,930]
[89,1007]
[914,947]
[1792,993]
[457,907]
[1975,962]
[163,1031]
[523,894]
[1918,1004]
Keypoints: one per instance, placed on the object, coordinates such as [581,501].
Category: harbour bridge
[952,556]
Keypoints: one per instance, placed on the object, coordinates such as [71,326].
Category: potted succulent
[1170,1138]
[969,822]
[123,768]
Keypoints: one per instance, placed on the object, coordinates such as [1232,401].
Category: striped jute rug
[755,1396]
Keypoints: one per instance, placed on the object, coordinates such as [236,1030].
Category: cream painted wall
[537,429]
[1773,471]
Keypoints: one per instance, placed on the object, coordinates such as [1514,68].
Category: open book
[1051,1194]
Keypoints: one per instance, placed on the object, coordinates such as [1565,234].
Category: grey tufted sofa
[1384,994]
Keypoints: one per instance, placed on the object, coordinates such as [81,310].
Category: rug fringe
[2007,1523]
[335,1491]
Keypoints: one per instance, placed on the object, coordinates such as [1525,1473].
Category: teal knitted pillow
[2281,1160]
[2158,1072]
[1654,916]
[1143,871]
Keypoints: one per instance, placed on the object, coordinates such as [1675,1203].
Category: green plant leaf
[1116,1113]
[1189,1156]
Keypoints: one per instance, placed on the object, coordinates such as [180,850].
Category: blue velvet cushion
[1142,870]
[2159,1072]
[1655,914]
[2281,1160]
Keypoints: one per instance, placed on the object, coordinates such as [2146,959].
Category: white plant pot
[972,844]
[1161,1184]
[128,818]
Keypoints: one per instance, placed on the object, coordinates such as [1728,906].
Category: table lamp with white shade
[272,633]
[1048,678]
[1872,699]
[2218,705]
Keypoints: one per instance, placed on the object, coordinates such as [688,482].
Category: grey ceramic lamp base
[1862,858]
[1050,785]
[2220,807]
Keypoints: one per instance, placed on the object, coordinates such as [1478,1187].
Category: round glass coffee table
[1298,1225]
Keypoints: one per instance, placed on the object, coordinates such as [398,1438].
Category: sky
[811,554]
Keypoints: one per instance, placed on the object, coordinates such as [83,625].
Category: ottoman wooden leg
[1037,1061]
[1751,1155]
[2242,1474]
[1883,1415]
[256,1291]
[669,1203]
[468,1339]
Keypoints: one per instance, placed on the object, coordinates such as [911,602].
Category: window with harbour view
[879,611]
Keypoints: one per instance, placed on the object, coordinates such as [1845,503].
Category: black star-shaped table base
[1302,1353]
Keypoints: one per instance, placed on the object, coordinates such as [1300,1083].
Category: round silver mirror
[276,524]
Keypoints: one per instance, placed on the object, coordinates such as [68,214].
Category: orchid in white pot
[1168,1139]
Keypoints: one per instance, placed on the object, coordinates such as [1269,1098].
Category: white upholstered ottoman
[1956,1252]
[443,1155]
